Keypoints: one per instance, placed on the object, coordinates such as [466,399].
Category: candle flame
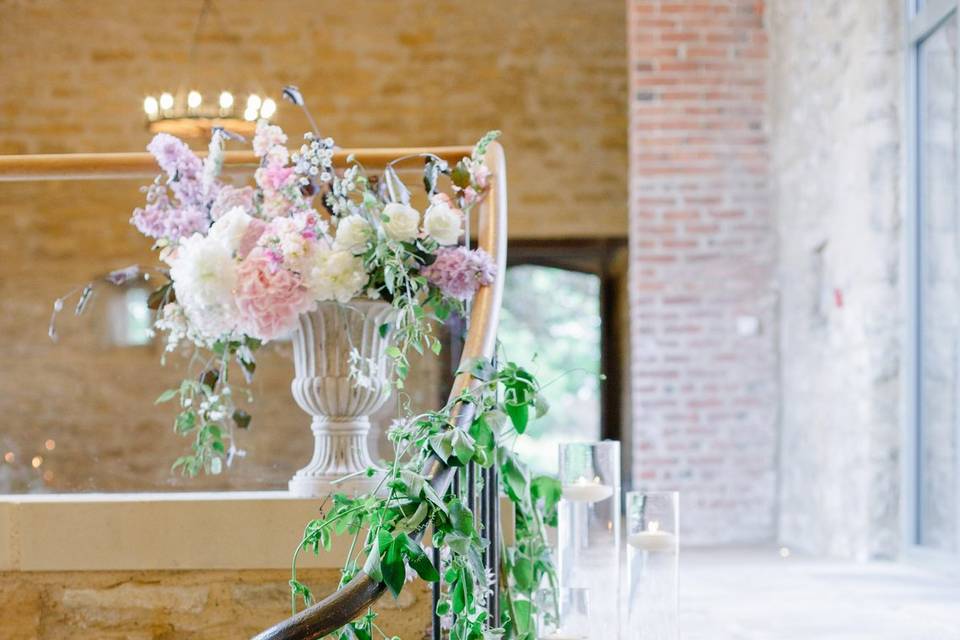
[653,526]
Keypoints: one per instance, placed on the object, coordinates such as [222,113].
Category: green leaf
[166,396]
[420,563]
[523,574]
[443,608]
[394,352]
[186,421]
[523,609]
[519,415]
[460,175]
[392,567]
[384,329]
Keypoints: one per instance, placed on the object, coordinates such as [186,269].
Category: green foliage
[387,523]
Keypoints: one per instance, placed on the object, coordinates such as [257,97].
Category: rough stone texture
[702,245]
[549,74]
[836,93]
[156,605]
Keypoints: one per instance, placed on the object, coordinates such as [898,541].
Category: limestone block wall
[836,92]
[168,605]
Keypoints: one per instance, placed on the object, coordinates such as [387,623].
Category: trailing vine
[387,523]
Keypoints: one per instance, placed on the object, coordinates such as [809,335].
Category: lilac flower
[184,169]
[160,218]
[459,272]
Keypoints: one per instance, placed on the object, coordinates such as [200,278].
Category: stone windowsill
[163,531]
[157,531]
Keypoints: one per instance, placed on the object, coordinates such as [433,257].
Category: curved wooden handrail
[349,602]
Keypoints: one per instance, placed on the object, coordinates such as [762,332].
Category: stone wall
[385,72]
[180,605]
[836,94]
[702,243]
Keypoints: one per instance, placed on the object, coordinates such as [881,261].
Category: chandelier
[189,113]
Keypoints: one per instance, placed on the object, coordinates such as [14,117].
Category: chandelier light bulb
[151,107]
[268,109]
[194,99]
[250,114]
[166,101]
[253,102]
[226,100]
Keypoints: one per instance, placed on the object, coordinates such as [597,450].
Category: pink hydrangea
[270,298]
[459,272]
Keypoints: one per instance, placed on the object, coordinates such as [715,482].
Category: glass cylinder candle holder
[589,529]
[563,614]
[653,546]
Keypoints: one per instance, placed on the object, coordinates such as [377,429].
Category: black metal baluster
[435,631]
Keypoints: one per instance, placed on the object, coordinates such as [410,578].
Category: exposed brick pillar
[702,243]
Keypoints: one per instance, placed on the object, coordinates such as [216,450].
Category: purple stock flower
[459,272]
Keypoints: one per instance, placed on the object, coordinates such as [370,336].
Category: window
[565,306]
[553,316]
[935,490]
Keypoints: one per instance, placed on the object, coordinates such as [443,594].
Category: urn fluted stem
[342,376]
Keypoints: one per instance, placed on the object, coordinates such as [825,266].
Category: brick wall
[836,99]
[702,243]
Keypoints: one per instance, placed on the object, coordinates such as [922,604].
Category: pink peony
[270,298]
[250,237]
[459,272]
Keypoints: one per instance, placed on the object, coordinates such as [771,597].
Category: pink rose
[270,298]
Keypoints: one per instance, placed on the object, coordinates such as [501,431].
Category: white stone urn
[340,404]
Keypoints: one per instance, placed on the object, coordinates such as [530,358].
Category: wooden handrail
[348,603]
[120,166]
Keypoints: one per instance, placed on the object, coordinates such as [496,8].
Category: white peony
[352,234]
[335,275]
[402,222]
[443,222]
[204,276]
[230,228]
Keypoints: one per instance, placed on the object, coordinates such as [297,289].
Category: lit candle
[652,539]
[194,100]
[585,491]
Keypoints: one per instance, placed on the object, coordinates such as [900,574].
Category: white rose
[230,228]
[352,234]
[204,276]
[443,222]
[336,275]
[401,222]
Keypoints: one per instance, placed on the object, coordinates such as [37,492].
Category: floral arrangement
[245,261]
[242,263]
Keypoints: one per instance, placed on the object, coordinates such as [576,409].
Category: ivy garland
[387,523]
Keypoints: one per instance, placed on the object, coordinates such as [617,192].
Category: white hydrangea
[401,222]
[336,275]
[230,228]
[204,277]
[443,223]
[352,234]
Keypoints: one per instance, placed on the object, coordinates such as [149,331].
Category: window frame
[920,23]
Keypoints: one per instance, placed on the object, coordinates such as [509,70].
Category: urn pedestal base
[339,450]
